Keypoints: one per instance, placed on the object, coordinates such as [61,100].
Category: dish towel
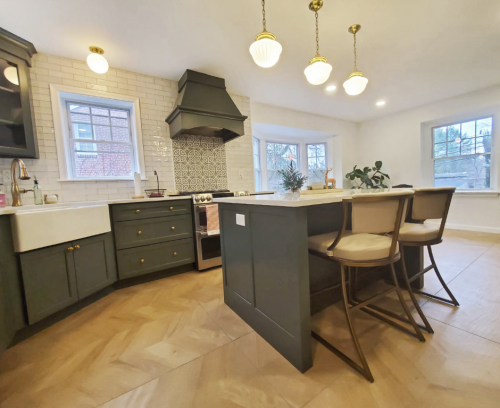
[213,219]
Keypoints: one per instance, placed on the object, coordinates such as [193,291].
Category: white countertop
[13,210]
[284,200]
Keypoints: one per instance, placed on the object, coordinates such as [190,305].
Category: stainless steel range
[206,230]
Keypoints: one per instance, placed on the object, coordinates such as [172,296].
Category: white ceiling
[412,52]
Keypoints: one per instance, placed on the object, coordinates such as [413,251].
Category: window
[462,154]
[316,162]
[278,157]
[256,164]
[98,136]
[100,141]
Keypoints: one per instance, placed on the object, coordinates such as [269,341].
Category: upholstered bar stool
[428,203]
[372,242]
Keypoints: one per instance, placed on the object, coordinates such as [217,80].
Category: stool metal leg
[427,327]
[364,369]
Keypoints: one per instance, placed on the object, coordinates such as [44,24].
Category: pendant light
[356,83]
[11,74]
[96,61]
[265,50]
[319,70]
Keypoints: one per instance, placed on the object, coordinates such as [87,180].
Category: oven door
[200,217]
[208,250]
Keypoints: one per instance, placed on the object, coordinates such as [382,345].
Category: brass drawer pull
[139,232]
[175,253]
[171,208]
[137,211]
[77,246]
[173,228]
[142,261]
[71,249]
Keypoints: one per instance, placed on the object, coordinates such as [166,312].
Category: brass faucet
[23,175]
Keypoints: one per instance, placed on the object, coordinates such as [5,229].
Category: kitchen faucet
[23,175]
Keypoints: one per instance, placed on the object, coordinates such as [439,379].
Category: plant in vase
[375,180]
[292,179]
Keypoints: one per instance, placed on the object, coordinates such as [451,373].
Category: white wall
[344,132]
[157,99]
[401,142]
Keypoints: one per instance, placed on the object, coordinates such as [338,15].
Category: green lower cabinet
[95,264]
[58,276]
[49,280]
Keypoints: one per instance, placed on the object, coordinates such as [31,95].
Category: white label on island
[240,219]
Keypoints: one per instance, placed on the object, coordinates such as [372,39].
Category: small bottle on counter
[37,192]
[3,201]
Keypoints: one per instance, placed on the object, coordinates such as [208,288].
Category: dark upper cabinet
[17,128]
[58,276]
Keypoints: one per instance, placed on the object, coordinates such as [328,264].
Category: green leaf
[383,185]
[366,170]
[378,165]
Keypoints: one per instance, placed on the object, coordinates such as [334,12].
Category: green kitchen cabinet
[49,280]
[95,264]
[58,276]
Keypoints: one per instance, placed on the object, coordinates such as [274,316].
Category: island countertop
[285,200]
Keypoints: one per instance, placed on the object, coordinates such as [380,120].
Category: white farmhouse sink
[35,226]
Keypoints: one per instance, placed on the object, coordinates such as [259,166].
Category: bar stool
[428,203]
[374,217]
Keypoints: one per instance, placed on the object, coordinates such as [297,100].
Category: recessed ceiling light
[380,103]
[331,88]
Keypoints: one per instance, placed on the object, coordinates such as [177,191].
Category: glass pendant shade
[11,74]
[356,83]
[266,50]
[96,61]
[318,71]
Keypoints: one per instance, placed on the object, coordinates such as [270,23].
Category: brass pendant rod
[317,34]
[355,55]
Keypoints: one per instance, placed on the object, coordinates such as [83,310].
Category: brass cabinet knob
[142,261]
[173,228]
[77,246]
[175,253]
[137,211]
[139,232]
[71,249]
[171,208]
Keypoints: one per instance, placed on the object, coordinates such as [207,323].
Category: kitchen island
[270,279]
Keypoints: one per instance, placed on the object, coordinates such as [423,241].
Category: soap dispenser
[37,192]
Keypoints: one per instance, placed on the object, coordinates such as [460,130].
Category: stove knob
[197,199]
[247,193]
[209,199]
[202,198]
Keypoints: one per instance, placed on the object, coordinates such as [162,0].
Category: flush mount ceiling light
[319,70]
[331,88]
[265,50]
[11,74]
[356,82]
[380,103]
[96,61]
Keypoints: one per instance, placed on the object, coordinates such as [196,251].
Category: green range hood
[205,108]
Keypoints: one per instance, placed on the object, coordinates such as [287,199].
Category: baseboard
[491,230]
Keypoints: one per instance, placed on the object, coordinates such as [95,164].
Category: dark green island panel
[271,281]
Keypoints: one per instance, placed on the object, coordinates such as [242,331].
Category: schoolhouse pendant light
[265,50]
[356,83]
[96,61]
[11,74]
[319,70]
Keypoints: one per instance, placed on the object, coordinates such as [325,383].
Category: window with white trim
[98,136]
[256,164]
[462,154]
[316,162]
[278,157]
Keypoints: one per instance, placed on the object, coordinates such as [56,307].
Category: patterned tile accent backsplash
[199,163]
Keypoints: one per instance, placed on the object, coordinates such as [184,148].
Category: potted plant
[292,179]
[374,180]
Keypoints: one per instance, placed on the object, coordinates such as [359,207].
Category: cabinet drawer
[153,258]
[130,234]
[141,211]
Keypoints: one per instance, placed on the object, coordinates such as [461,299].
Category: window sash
[92,153]
[316,156]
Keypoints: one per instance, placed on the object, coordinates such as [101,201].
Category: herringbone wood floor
[173,343]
